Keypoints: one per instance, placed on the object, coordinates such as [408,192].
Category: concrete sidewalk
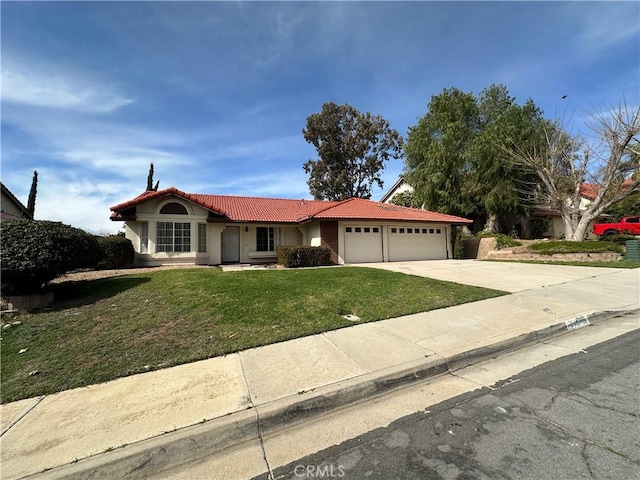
[140,425]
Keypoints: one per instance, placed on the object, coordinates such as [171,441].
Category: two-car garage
[399,242]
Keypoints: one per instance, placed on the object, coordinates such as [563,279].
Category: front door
[231,245]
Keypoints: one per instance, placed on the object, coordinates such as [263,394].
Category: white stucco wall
[313,230]
[403,187]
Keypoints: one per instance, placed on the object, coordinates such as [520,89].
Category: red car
[628,225]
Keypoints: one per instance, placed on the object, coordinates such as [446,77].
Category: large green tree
[457,156]
[352,150]
[439,164]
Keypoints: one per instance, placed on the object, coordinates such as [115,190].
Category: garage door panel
[363,243]
[417,243]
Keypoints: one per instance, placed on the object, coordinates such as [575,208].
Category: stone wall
[487,250]
[26,303]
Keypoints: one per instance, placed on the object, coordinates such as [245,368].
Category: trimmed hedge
[294,256]
[566,246]
[35,252]
[118,252]
[617,239]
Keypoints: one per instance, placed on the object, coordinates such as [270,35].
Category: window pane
[424,230]
[164,237]
[277,238]
[173,208]
[182,237]
[438,230]
[409,230]
[375,229]
[144,237]
[262,239]
[348,229]
[202,237]
[173,237]
[367,230]
[358,230]
[394,230]
[268,239]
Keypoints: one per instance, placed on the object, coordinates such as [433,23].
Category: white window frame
[202,238]
[180,237]
[274,236]
[144,237]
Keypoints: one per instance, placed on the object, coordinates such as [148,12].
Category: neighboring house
[400,186]
[11,207]
[556,227]
[171,226]
[588,193]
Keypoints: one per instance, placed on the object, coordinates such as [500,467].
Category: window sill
[271,254]
[173,255]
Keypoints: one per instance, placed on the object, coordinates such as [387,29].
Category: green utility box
[633,250]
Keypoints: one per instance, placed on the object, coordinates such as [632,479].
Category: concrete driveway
[505,276]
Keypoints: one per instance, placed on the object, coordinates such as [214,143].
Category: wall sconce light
[246,228]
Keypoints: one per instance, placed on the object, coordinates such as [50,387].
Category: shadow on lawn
[86,292]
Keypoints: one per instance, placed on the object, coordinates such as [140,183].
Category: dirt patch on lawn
[97,274]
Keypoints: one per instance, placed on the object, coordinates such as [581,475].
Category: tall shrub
[117,252]
[293,256]
[34,252]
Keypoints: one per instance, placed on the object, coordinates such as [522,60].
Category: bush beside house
[294,256]
[117,252]
[34,252]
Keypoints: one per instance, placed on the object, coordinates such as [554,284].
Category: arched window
[174,209]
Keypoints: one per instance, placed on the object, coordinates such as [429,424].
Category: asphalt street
[577,417]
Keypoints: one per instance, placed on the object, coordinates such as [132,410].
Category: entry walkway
[143,424]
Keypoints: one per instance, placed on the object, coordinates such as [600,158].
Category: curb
[157,454]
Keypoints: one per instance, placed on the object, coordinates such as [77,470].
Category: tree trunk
[492,225]
[582,230]
[569,227]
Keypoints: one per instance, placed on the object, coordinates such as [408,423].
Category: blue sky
[216,94]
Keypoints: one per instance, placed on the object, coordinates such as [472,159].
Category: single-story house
[11,207]
[171,226]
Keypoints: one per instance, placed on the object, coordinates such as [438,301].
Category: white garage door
[362,243]
[417,243]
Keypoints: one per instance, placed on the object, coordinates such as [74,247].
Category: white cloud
[607,25]
[120,158]
[29,87]
[283,184]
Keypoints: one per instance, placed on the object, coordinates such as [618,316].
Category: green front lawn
[104,329]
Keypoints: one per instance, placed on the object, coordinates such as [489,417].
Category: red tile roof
[359,208]
[279,210]
[589,190]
